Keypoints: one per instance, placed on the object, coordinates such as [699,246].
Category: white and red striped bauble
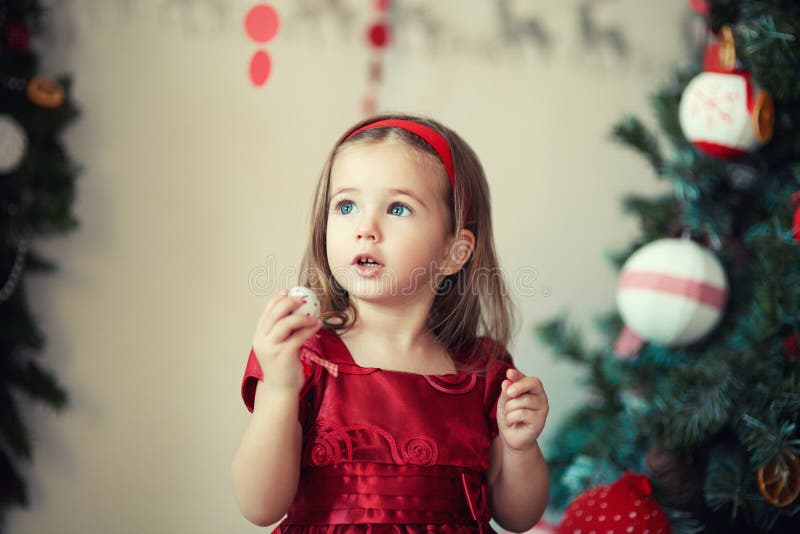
[671,292]
[725,115]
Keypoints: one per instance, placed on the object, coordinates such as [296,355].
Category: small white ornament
[13,143]
[310,306]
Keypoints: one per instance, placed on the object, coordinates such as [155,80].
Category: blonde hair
[469,304]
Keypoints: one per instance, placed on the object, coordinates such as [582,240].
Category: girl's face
[387,203]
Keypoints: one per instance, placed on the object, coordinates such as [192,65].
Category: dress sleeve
[253,375]
[495,374]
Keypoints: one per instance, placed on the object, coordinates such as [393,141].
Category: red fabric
[390,451]
[624,507]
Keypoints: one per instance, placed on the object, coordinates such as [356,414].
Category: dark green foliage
[730,402]
[36,200]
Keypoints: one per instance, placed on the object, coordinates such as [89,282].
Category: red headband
[431,136]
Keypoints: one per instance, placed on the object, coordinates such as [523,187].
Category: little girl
[399,410]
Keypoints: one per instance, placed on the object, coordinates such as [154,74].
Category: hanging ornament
[796,221]
[720,52]
[779,480]
[13,143]
[17,37]
[378,36]
[700,6]
[792,344]
[726,115]
[261,24]
[45,92]
[671,292]
[624,507]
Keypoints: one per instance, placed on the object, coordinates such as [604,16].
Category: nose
[367,229]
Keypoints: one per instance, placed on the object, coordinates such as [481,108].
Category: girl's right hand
[277,340]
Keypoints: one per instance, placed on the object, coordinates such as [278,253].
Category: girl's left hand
[521,412]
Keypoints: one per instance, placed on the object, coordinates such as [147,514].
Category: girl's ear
[459,252]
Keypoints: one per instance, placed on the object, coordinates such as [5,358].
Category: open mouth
[367,266]
[367,261]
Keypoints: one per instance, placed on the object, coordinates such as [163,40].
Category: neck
[402,328]
[396,337]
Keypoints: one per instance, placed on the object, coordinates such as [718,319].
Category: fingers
[521,394]
[279,307]
[517,417]
[514,374]
[524,384]
[527,401]
[287,326]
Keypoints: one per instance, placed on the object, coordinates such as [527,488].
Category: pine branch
[38,384]
[564,340]
[724,484]
[13,433]
[766,442]
[632,132]
[697,405]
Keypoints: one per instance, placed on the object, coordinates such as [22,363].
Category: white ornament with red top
[722,111]
[671,292]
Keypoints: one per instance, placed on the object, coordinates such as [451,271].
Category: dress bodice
[387,447]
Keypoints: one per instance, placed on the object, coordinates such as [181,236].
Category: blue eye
[397,209]
[345,207]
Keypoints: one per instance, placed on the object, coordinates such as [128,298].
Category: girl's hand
[277,341]
[521,412]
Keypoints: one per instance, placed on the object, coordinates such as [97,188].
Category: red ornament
[260,67]
[796,222]
[700,6]
[792,344]
[17,37]
[379,34]
[624,507]
[261,23]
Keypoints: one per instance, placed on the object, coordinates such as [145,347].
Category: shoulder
[326,345]
[491,360]
[485,354]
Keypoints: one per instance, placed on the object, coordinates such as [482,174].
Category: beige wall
[194,180]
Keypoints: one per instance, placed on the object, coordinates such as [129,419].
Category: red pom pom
[379,34]
[624,507]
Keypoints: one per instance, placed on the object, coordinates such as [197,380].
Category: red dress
[390,451]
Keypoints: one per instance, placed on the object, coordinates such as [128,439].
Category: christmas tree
[697,384]
[37,182]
